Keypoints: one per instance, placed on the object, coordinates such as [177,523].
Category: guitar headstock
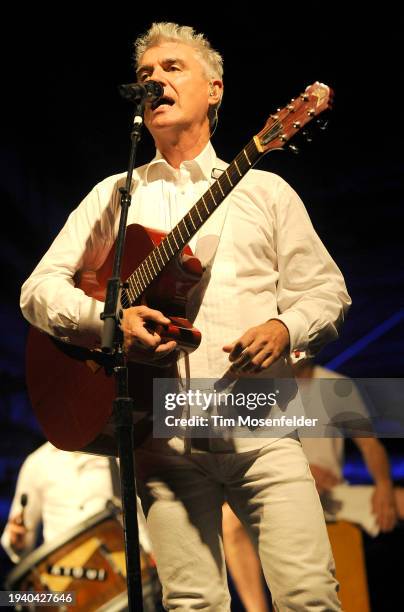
[288,121]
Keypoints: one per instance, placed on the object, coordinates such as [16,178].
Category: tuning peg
[307,136]
[322,123]
[294,149]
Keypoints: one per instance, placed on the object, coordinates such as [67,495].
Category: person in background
[59,490]
[376,508]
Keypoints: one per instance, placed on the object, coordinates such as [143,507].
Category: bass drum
[88,560]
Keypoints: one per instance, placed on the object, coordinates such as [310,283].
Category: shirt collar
[199,167]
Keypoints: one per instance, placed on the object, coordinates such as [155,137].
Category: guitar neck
[278,130]
[190,224]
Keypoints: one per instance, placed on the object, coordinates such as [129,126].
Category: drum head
[42,552]
[88,560]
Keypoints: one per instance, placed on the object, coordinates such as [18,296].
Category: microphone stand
[123,405]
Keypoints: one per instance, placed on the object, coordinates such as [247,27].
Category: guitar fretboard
[189,225]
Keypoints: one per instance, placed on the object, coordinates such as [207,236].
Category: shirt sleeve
[26,483]
[49,298]
[311,293]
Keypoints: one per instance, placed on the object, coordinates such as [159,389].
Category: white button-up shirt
[262,256]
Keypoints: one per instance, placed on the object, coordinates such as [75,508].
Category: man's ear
[215,91]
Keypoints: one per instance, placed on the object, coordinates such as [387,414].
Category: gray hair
[211,60]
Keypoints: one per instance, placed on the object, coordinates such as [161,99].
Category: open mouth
[161,101]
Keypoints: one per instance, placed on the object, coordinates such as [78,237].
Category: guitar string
[239,158]
[208,194]
[125,301]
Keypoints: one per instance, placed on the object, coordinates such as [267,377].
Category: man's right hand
[142,343]
[17,532]
[325,479]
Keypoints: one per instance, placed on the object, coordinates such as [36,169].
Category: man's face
[186,88]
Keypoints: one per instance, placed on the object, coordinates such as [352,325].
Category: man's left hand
[384,506]
[258,348]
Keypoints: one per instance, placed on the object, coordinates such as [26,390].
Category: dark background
[65,127]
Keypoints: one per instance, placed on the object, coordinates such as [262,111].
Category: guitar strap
[206,247]
[205,250]
[213,227]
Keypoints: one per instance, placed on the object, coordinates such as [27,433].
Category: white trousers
[272,492]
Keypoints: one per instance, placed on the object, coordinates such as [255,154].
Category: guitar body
[72,388]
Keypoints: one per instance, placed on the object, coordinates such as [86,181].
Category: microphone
[150,91]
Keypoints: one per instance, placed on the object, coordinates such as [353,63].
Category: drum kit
[89,561]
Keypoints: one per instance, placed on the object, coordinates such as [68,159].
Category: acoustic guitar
[72,388]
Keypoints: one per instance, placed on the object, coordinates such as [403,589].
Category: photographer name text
[215,420]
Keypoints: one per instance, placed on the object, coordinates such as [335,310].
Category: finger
[389,519]
[241,344]
[388,525]
[166,348]
[327,479]
[150,314]
[227,348]
[145,339]
[137,332]
[269,361]
[384,523]
[157,316]
[257,362]
[325,485]
[236,351]
[332,479]
[243,361]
